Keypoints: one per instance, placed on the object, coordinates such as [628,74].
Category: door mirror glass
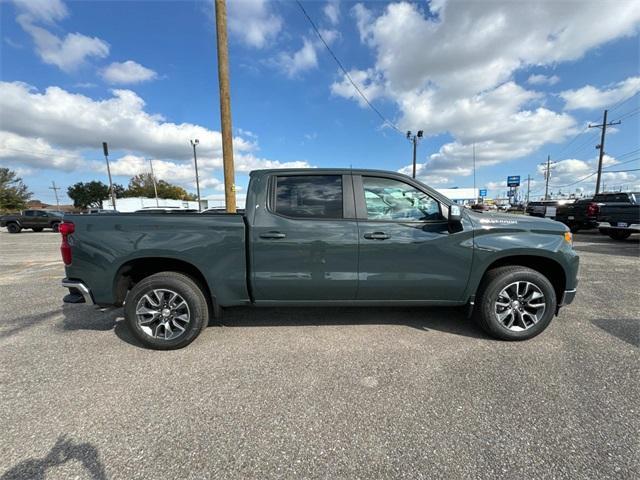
[455,214]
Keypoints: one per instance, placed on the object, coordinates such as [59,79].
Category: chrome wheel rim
[519,306]
[163,314]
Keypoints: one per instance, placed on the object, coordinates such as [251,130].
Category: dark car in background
[620,219]
[36,220]
[583,214]
[545,208]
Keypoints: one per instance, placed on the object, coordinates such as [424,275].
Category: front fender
[491,246]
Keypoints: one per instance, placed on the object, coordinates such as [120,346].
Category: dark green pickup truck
[321,237]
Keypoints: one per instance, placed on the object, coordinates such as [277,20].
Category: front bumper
[76,287]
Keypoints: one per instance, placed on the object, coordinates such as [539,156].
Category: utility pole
[547,176]
[105,149]
[528,187]
[414,139]
[600,147]
[153,179]
[55,191]
[225,106]
[194,144]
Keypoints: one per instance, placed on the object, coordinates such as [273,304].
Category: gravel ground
[327,392]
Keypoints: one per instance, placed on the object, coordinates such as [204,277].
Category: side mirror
[455,214]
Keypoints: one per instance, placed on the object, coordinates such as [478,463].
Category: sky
[516,81]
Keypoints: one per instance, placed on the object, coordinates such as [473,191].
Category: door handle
[376,236]
[272,235]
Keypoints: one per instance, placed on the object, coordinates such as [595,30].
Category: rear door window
[309,196]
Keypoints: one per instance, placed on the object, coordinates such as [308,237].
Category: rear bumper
[76,286]
[630,226]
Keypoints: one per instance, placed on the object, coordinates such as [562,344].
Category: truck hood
[505,221]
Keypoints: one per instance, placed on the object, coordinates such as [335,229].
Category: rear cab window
[309,196]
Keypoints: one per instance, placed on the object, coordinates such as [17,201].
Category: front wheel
[13,228]
[55,227]
[166,311]
[619,234]
[515,303]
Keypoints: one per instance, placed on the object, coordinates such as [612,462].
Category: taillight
[593,209]
[66,229]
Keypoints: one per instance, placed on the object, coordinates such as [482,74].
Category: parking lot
[326,392]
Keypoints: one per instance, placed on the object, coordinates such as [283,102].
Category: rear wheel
[37,229]
[515,303]
[166,311]
[55,227]
[619,234]
[13,228]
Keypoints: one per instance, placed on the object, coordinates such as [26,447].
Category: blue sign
[483,192]
[510,193]
[513,181]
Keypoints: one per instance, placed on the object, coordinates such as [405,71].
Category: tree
[13,192]
[89,194]
[142,186]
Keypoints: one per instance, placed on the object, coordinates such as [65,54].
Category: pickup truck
[620,219]
[321,237]
[36,220]
[583,213]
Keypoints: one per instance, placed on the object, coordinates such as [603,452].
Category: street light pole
[105,150]
[414,139]
[194,144]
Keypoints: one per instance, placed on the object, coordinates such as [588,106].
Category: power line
[344,70]
[629,114]
[592,174]
[622,102]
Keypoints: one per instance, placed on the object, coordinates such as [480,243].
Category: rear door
[304,244]
[406,250]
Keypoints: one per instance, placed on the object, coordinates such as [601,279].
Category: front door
[305,240]
[406,250]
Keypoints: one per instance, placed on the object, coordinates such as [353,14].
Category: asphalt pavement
[319,393]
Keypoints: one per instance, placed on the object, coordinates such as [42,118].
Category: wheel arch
[135,270]
[548,267]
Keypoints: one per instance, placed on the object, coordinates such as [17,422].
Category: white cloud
[590,97]
[37,153]
[441,84]
[55,129]
[127,72]
[306,58]
[332,11]
[540,79]
[368,81]
[565,173]
[253,22]
[299,61]
[68,52]
[47,11]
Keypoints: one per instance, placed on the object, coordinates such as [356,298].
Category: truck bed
[103,246]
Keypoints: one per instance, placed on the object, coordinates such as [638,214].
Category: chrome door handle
[376,236]
[272,235]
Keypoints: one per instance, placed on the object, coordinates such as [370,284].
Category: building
[131,204]
[461,195]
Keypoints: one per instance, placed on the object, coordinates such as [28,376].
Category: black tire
[37,229]
[574,227]
[188,290]
[55,227]
[13,227]
[619,234]
[493,283]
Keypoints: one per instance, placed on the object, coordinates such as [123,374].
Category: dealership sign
[513,181]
